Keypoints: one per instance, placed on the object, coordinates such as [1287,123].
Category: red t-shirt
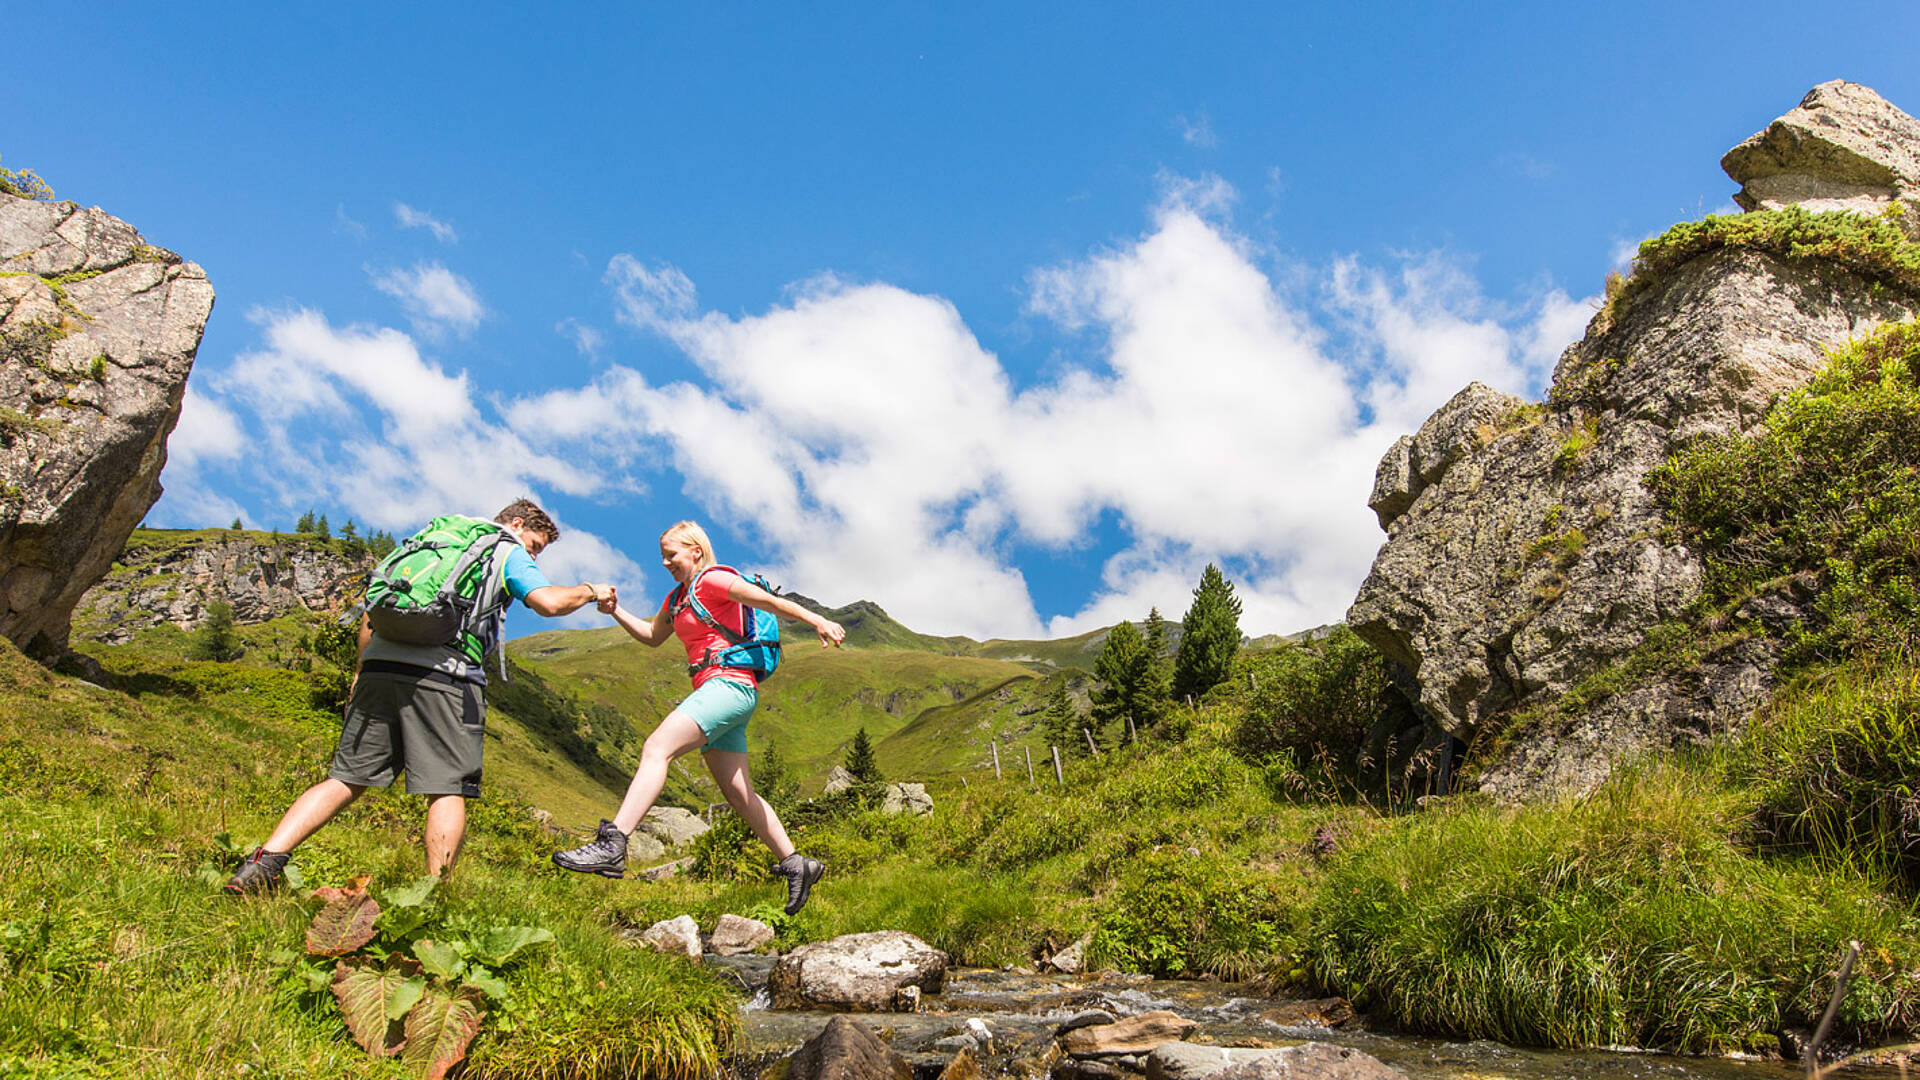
[698,637]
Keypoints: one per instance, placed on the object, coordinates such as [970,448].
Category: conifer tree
[1061,723]
[236,526]
[321,529]
[860,762]
[773,780]
[1210,636]
[305,524]
[1157,687]
[215,639]
[1122,665]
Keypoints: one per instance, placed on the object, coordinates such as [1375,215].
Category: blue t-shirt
[522,577]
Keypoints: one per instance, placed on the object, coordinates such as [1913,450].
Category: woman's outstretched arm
[644,632]
[742,591]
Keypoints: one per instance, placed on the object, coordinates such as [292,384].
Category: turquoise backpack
[756,647]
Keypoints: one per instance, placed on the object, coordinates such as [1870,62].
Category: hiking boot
[260,872]
[800,872]
[605,854]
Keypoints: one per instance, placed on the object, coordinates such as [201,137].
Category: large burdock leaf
[439,1029]
[441,960]
[502,943]
[344,924]
[366,993]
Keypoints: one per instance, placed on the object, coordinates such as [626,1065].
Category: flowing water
[1022,1010]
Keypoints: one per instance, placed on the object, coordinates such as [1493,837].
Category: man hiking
[418,708]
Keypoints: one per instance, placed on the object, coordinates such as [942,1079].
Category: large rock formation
[1844,148]
[169,576]
[98,330]
[1524,550]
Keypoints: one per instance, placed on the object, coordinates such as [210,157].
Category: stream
[1023,1008]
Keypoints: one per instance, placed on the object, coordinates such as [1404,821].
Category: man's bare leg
[315,807]
[446,831]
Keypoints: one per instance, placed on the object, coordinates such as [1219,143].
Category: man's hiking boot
[800,872]
[605,854]
[260,872]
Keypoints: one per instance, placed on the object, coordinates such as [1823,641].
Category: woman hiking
[714,717]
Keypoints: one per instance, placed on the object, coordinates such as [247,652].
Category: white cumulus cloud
[434,297]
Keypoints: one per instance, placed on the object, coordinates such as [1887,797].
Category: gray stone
[1311,1061]
[847,1049]
[1085,1019]
[1524,551]
[838,781]
[735,934]
[671,825]
[1070,960]
[1844,148]
[907,799]
[661,872]
[679,934]
[861,972]
[93,371]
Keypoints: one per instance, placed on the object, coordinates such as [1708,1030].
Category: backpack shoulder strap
[688,599]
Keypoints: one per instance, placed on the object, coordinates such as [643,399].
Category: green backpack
[442,585]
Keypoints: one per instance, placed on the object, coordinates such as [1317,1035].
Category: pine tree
[860,760]
[380,544]
[773,780]
[1158,685]
[1122,665]
[1062,723]
[305,524]
[215,639]
[236,526]
[1210,636]
[321,529]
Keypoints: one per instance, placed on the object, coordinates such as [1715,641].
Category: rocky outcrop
[1844,148]
[98,330]
[169,576]
[1524,551]
[1134,1035]
[861,972]
[907,799]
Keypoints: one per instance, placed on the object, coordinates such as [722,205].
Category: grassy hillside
[120,958]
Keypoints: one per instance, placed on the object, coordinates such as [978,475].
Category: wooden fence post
[1028,750]
[996,758]
[1091,748]
[1059,774]
[1132,735]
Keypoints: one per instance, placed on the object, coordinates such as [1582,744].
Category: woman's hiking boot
[800,872]
[605,854]
[260,872]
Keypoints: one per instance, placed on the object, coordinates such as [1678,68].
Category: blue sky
[1006,317]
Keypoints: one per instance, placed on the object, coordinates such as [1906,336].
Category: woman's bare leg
[729,769]
[676,735]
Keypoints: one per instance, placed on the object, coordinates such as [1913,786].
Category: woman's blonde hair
[690,532]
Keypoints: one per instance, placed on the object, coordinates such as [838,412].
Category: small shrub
[1319,703]
[1183,912]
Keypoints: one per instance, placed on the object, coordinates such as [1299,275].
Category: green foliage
[330,652]
[860,762]
[729,852]
[1826,497]
[1877,249]
[214,638]
[1177,912]
[1128,668]
[1210,636]
[1574,446]
[1061,722]
[1328,703]
[1836,760]
[1630,919]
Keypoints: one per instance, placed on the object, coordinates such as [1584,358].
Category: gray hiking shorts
[433,729]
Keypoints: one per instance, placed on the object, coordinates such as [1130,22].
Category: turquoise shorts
[722,708]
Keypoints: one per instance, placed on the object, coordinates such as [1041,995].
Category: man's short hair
[531,516]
